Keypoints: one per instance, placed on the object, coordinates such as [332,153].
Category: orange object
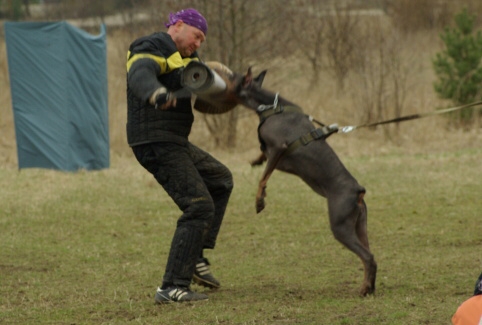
[469,312]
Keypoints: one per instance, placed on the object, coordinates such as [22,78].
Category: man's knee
[199,211]
[227,180]
[229,183]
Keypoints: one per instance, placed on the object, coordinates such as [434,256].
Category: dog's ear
[248,78]
[258,81]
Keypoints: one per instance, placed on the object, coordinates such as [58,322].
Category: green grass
[90,247]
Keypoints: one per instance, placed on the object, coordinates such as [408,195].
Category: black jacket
[153,61]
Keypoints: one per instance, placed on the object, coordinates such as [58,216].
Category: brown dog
[292,144]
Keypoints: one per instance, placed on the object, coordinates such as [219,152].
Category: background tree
[458,67]
[241,32]
[417,15]
[380,81]
[341,37]
[14,9]
[307,30]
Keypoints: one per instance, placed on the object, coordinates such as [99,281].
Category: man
[470,311]
[158,125]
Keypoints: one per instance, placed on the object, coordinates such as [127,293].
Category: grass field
[90,247]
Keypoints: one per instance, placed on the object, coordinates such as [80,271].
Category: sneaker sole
[156,302]
[204,283]
[165,302]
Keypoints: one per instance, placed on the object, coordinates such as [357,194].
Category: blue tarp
[58,80]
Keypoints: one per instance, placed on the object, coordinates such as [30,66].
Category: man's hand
[163,99]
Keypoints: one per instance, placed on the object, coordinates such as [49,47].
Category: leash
[350,128]
[265,111]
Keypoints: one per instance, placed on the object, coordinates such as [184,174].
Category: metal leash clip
[346,129]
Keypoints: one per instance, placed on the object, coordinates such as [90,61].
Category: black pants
[200,186]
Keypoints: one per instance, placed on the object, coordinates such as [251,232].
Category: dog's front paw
[259,205]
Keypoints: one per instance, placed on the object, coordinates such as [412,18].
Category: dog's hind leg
[362,233]
[348,220]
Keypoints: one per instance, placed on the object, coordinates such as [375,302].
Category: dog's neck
[262,100]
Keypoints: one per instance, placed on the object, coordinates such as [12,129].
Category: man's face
[187,38]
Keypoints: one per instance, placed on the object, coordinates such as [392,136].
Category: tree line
[362,39]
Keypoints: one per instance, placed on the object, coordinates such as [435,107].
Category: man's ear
[260,78]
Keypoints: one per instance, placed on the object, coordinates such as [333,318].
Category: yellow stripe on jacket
[175,61]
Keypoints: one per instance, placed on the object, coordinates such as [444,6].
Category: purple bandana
[190,16]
